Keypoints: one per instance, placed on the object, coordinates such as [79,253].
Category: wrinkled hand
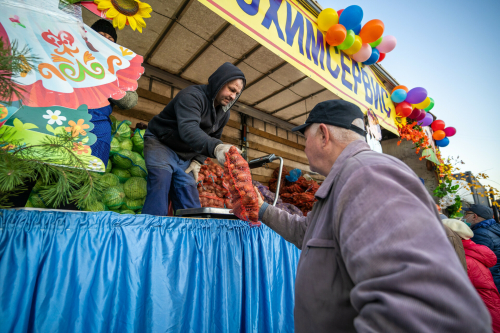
[259,197]
[220,152]
[195,166]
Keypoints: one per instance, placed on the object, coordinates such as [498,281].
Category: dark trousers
[167,176]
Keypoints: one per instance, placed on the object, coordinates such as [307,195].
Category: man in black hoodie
[183,135]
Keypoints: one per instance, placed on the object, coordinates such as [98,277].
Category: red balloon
[438,125]
[450,131]
[404,109]
[382,57]
[339,12]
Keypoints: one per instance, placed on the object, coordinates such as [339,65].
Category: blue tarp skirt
[105,272]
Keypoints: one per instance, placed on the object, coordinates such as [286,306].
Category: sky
[452,49]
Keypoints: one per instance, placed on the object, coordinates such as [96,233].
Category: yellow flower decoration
[125,11]
[77,128]
[3,111]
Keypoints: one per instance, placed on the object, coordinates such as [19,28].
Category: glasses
[469,213]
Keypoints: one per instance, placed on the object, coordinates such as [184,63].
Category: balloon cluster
[363,43]
[442,133]
[415,104]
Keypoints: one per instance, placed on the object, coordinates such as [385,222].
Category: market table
[66,271]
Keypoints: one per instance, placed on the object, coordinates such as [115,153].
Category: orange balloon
[336,35]
[439,135]
[372,31]
[399,87]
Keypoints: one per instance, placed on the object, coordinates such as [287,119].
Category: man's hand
[195,166]
[260,201]
[220,152]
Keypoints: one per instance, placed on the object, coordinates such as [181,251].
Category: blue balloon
[373,58]
[351,17]
[443,143]
[398,96]
[357,29]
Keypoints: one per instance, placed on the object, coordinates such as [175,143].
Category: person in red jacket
[479,258]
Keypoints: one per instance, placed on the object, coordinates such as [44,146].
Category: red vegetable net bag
[244,199]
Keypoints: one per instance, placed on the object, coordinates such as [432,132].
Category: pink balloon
[421,116]
[450,131]
[388,44]
[363,54]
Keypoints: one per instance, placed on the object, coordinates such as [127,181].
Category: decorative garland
[414,132]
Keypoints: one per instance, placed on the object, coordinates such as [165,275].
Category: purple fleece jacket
[375,257]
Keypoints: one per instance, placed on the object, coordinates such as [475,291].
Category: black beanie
[103,25]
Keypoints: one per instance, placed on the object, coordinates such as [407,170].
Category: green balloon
[430,105]
[376,43]
[348,41]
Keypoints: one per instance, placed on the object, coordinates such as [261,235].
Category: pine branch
[14,63]
[70,182]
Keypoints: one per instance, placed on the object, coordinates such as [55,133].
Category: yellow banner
[291,32]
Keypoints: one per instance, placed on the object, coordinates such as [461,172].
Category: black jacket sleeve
[188,110]
[200,158]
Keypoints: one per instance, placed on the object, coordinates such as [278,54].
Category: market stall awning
[186,41]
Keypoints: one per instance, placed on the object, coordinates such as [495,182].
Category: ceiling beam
[269,72]
[246,55]
[300,100]
[205,46]
[176,17]
[279,91]
[181,83]
[298,116]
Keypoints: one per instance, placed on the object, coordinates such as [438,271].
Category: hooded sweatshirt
[487,233]
[190,125]
[479,258]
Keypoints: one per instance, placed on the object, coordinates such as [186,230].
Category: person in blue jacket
[486,232]
[100,116]
[183,135]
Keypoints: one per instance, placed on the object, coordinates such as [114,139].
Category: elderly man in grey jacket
[375,257]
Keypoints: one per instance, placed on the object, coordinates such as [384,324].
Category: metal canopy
[185,42]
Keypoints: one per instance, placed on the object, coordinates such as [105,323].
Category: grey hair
[341,135]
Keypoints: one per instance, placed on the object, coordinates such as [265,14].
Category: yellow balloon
[423,105]
[327,18]
[358,42]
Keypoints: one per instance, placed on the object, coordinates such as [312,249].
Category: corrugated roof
[186,40]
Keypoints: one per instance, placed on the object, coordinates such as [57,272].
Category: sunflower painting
[123,12]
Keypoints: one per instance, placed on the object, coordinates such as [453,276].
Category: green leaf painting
[32,138]
[50,129]
[7,110]
[32,126]
[45,120]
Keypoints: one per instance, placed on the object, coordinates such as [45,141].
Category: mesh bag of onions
[237,176]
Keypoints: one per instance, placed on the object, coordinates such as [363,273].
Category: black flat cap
[334,112]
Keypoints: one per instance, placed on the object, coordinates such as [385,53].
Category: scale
[223,213]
